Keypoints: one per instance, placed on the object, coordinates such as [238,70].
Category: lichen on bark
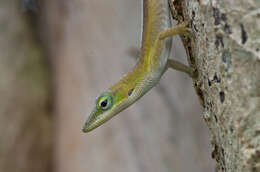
[223,50]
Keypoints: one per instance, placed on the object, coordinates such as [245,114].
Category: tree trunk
[224,51]
[25,123]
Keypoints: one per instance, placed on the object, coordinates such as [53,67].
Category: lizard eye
[104,102]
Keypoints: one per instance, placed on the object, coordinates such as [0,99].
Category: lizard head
[101,112]
[118,97]
[107,105]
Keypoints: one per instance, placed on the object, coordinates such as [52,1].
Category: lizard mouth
[95,121]
[92,123]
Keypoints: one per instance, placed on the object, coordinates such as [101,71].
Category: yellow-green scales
[156,47]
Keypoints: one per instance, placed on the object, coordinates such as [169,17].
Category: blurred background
[56,57]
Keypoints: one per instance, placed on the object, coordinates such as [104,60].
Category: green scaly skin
[148,71]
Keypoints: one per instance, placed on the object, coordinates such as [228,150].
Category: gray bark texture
[224,51]
[25,123]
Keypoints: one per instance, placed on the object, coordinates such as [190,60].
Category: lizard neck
[144,76]
[153,61]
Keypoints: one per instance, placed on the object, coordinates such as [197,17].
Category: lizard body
[156,47]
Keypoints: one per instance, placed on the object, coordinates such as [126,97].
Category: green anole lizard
[154,61]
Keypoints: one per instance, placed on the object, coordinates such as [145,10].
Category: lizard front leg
[180,29]
[173,64]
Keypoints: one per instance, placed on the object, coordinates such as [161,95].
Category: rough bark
[224,51]
[25,123]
